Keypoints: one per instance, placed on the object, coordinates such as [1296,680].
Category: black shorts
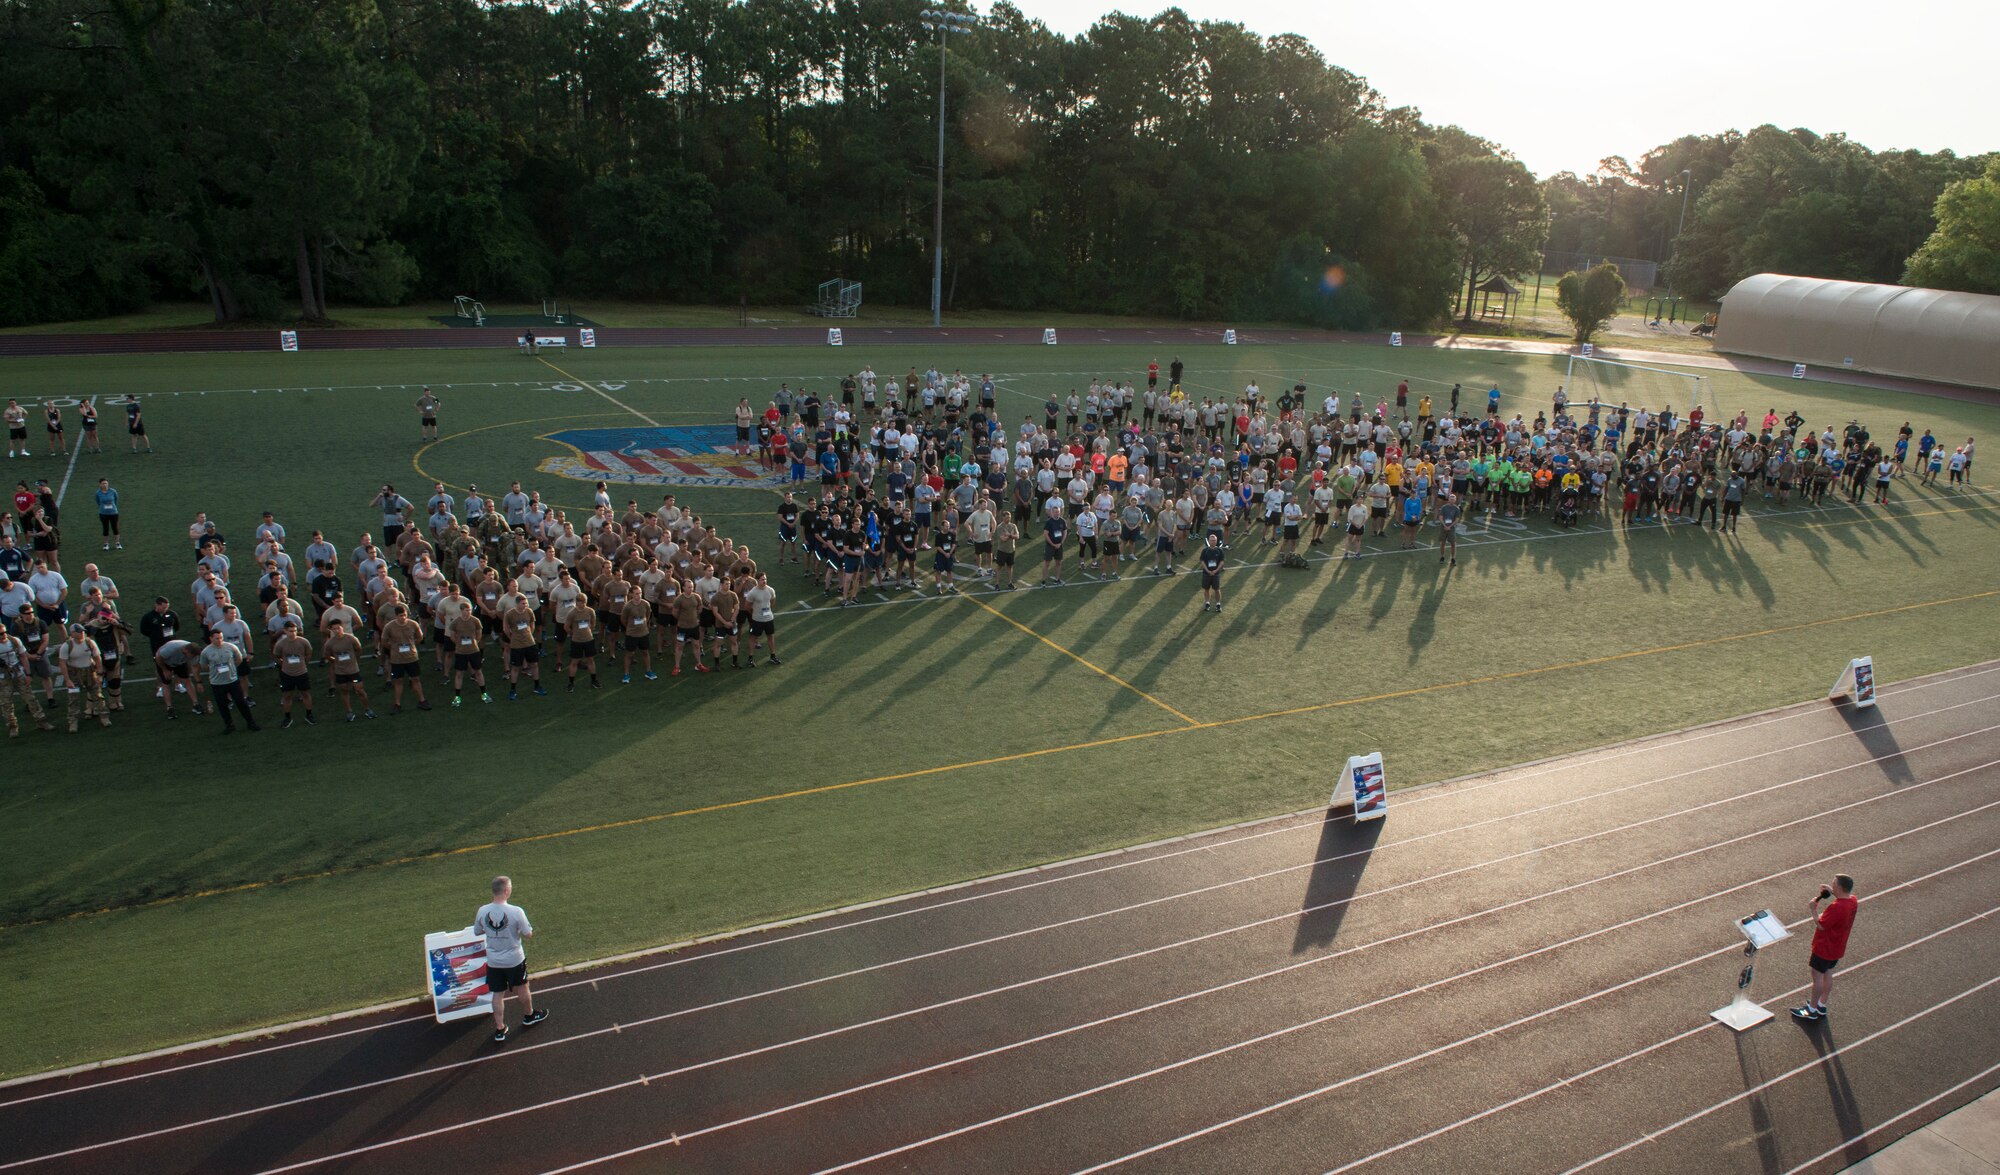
[1352,529]
[526,655]
[405,669]
[722,628]
[1378,511]
[1824,965]
[469,662]
[763,627]
[137,430]
[742,434]
[1086,546]
[1111,544]
[499,979]
[17,434]
[942,563]
[1319,518]
[179,671]
[634,644]
[982,548]
[582,650]
[1211,580]
[294,683]
[1292,530]
[1003,558]
[347,679]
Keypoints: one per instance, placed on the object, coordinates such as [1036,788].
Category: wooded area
[280,157]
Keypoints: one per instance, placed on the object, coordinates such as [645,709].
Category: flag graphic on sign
[695,455]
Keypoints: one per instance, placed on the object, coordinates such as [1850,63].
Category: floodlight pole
[1687,179]
[944,22]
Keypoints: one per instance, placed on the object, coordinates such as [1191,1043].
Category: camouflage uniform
[14,679]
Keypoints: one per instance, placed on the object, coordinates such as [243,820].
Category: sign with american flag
[695,455]
[455,974]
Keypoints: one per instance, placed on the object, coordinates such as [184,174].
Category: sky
[1916,73]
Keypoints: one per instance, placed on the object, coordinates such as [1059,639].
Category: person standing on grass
[107,513]
[293,654]
[427,415]
[580,627]
[135,424]
[17,429]
[1447,518]
[403,638]
[1829,945]
[465,635]
[15,678]
[87,411]
[1211,557]
[223,663]
[58,447]
[506,929]
[1357,524]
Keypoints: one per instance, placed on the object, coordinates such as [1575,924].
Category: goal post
[1610,382]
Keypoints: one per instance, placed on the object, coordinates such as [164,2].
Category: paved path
[1516,967]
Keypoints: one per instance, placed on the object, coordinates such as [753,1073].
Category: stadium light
[942,23]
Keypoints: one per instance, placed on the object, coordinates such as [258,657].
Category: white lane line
[907,1013]
[1563,1007]
[683,1136]
[71,471]
[1382,1000]
[1807,1067]
[1831,1151]
[1193,843]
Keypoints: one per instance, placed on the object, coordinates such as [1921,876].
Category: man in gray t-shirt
[506,929]
[223,663]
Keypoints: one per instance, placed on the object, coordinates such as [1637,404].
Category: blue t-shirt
[1413,509]
[107,501]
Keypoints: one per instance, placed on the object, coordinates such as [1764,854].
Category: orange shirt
[1117,466]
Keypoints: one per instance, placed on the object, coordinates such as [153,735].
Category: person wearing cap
[293,653]
[108,631]
[82,669]
[223,662]
[15,679]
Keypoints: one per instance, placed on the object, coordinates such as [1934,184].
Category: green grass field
[149,873]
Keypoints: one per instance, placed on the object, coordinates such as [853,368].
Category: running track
[1514,968]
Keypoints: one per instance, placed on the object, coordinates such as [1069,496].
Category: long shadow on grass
[1334,879]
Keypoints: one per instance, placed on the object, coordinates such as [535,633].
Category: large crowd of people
[911,484]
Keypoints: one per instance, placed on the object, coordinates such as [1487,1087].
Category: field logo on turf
[697,455]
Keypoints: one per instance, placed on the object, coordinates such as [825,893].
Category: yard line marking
[1095,965]
[1807,1067]
[1192,843]
[1018,756]
[1929,1101]
[1080,660]
[73,455]
[1891,517]
[600,391]
[1382,1000]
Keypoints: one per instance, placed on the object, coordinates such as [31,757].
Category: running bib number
[292,660]
[404,649]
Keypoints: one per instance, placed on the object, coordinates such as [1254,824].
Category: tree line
[278,158]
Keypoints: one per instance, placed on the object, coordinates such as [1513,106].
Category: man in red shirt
[1829,944]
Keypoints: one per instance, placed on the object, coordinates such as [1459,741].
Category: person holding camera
[1829,943]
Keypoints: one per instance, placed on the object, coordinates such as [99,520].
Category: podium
[1856,683]
[1761,929]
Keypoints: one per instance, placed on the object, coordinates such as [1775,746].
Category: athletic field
[159,883]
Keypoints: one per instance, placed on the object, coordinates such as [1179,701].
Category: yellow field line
[1080,660]
[600,391]
[1020,756]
